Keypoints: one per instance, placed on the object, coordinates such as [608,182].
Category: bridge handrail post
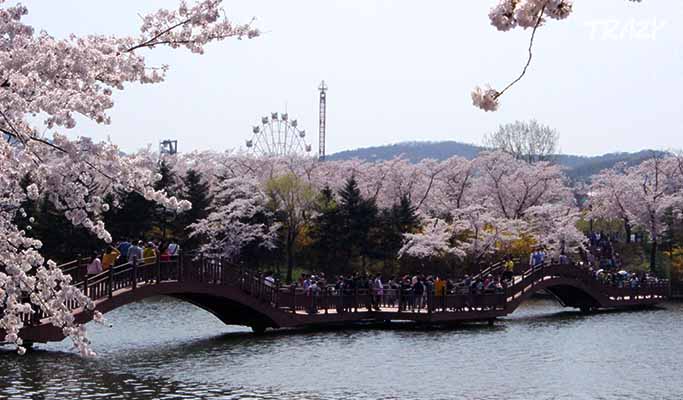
[80,267]
[399,299]
[134,273]
[256,280]
[276,296]
[158,268]
[85,284]
[293,289]
[111,281]
[355,299]
[220,275]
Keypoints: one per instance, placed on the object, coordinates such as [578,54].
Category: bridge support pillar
[586,309]
[258,329]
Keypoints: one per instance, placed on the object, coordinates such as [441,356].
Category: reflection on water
[166,349]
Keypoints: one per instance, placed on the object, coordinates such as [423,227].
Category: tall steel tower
[322,121]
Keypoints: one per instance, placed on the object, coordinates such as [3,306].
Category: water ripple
[540,352]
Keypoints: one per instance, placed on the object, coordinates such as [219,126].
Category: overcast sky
[608,78]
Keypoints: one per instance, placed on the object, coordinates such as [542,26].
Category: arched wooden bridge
[239,297]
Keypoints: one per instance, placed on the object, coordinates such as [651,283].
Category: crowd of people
[606,266]
[410,292]
[127,250]
[601,252]
[406,293]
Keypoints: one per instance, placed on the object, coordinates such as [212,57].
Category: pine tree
[406,216]
[326,232]
[359,216]
[131,219]
[196,191]
[161,217]
[62,241]
[401,218]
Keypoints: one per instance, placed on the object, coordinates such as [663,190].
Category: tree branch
[530,50]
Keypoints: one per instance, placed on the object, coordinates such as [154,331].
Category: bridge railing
[535,275]
[295,299]
[218,271]
[393,300]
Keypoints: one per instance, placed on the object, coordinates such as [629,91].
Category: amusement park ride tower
[280,136]
[322,121]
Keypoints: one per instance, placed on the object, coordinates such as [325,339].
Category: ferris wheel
[278,136]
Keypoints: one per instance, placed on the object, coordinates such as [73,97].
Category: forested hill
[578,167]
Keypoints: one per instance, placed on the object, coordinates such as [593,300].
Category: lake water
[166,349]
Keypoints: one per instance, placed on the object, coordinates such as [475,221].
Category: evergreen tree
[359,216]
[326,233]
[401,218]
[196,191]
[62,241]
[161,217]
[132,218]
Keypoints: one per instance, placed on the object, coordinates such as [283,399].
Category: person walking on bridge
[95,265]
[418,292]
[537,258]
[135,252]
[149,253]
[313,291]
[124,246]
[509,266]
[173,249]
[440,292]
[110,257]
[378,290]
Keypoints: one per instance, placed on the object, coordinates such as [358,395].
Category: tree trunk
[653,256]
[627,229]
[290,259]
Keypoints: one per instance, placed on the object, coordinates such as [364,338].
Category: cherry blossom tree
[453,187]
[509,187]
[609,195]
[488,203]
[641,195]
[554,227]
[239,217]
[293,199]
[434,241]
[59,80]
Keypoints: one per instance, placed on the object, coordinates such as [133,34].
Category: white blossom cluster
[509,14]
[493,201]
[230,226]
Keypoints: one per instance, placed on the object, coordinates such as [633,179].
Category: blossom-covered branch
[525,14]
[63,78]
